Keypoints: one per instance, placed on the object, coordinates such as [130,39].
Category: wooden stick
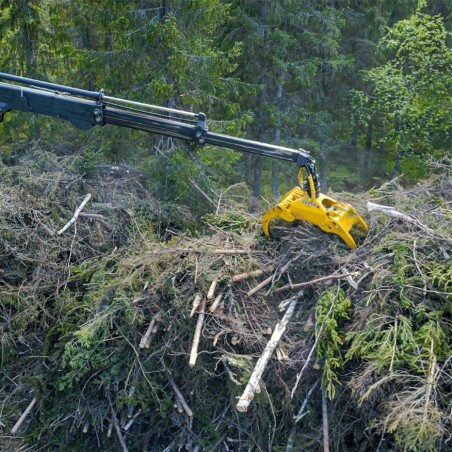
[110,428]
[253,383]
[144,342]
[196,303]
[203,193]
[326,436]
[270,278]
[24,415]
[246,275]
[197,336]
[301,413]
[309,283]
[76,214]
[181,398]
[219,251]
[212,288]
[395,213]
[260,285]
[180,408]
[216,302]
[118,430]
[129,424]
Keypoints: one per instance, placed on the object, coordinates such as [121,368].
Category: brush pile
[132,330]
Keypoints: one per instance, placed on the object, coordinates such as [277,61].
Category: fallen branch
[253,383]
[212,288]
[395,213]
[270,278]
[76,214]
[118,429]
[197,336]
[110,428]
[181,398]
[196,303]
[326,436]
[129,424]
[216,302]
[313,281]
[144,343]
[220,251]
[252,274]
[24,415]
[301,413]
[203,193]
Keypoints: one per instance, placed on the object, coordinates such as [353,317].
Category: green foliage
[410,92]
[332,308]
[231,222]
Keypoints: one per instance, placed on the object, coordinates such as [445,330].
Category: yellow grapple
[321,210]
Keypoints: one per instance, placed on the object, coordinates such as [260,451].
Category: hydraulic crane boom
[86,109]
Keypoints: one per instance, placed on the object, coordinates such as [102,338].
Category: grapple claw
[328,214]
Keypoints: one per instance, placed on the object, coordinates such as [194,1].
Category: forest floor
[139,327]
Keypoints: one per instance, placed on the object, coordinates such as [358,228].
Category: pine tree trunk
[257,184]
[275,167]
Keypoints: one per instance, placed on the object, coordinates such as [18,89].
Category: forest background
[363,85]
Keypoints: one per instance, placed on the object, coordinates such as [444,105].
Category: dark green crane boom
[86,109]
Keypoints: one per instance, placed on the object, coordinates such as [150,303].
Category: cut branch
[203,193]
[268,280]
[326,436]
[118,429]
[197,336]
[252,274]
[181,398]
[216,302]
[144,343]
[313,281]
[196,303]
[24,415]
[211,292]
[76,214]
[395,213]
[261,364]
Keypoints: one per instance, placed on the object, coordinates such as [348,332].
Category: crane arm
[87,109]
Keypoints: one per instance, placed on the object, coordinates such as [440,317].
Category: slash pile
[132,330]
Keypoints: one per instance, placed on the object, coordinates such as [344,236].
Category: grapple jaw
[326,213]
